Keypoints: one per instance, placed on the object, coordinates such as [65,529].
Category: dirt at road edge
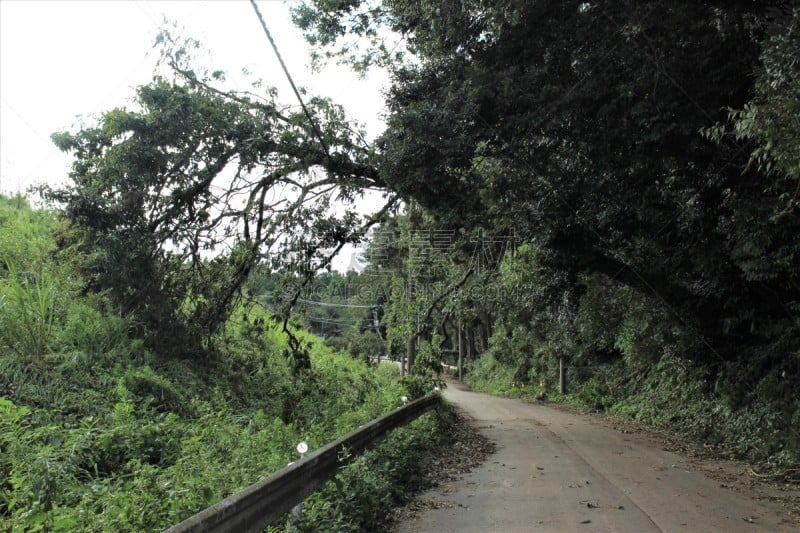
[469,449]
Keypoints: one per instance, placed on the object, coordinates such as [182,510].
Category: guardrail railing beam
[262,503]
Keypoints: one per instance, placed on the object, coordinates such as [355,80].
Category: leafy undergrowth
[99,432]
[122,443]
[362,496]
[491,376]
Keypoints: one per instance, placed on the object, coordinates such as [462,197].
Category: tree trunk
[411,352]
[470,344]
[460,351]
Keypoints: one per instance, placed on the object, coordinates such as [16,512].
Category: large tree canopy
[579,127]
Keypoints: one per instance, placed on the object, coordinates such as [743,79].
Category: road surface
[560,471]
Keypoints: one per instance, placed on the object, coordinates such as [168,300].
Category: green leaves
[29,307]
[577,128]
[584,130]
[141,447]
[770,119]
[350,31]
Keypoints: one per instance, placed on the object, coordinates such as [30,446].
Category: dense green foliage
[98,432]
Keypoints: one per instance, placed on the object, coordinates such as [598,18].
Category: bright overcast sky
[63,59]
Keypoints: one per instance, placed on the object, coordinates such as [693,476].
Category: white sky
[63,59]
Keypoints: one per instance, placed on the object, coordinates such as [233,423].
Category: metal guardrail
[260,504]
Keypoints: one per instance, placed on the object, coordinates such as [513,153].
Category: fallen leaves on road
[468,450]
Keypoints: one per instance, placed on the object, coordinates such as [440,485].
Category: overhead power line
[332,321]
[326,304]
[289,77]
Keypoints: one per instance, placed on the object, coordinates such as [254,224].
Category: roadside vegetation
[626,355]
[99,432]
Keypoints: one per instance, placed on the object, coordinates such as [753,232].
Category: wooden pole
[411,352]
[562,376]
[460,352]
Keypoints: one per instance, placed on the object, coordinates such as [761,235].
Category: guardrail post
[460,352]
[297,510]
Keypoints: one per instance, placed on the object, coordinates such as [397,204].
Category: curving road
[559,471]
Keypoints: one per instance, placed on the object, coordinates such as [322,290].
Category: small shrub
[28,308]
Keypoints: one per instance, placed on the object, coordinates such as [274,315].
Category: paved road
[559,471]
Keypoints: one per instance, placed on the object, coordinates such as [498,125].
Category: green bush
[511,378]
[28,310]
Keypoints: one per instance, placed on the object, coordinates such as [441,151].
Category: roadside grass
[99,433]
[123,445]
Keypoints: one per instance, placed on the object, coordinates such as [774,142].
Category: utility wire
[337,322]
[291,81]
[325,304]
